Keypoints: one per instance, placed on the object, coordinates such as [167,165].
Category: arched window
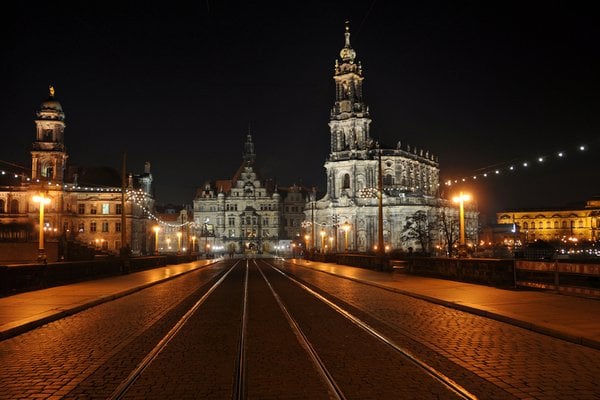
[388,180]
[14,206]
[346,181]
[1,206]
[555,224]
[533,225]
[564,224]
[525,225]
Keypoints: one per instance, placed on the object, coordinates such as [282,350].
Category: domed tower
[49,157]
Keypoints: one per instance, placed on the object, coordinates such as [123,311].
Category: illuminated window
[105,208]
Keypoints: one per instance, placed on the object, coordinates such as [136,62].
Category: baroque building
[84,206]
[579,223]
[410,177]
[246,214]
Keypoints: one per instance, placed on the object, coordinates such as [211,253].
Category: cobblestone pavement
[521,362]
[52,360]
[86,355]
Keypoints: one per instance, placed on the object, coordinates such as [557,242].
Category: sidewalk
[25,311]
[571,318]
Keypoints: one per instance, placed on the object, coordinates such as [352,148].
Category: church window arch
[346,181]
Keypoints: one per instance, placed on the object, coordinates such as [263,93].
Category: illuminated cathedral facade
[346,217]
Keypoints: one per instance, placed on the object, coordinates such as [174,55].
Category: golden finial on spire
[51,91]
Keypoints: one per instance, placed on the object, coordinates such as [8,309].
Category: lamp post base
[41,258]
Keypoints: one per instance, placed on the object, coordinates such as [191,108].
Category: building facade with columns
[84,204]
[356,164]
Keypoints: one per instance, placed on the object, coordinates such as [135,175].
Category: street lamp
[346,228]
[193,243]
[179,241]
[156,230]
[306,238]
[322,233]
[460,199]
[43,200]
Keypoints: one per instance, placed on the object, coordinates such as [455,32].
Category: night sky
[478,85]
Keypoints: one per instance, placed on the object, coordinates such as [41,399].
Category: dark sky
[476,84]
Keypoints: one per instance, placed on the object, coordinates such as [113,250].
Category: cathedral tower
[349,124]
[48,156]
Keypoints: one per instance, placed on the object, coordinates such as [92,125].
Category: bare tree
[418,228]
[448,226]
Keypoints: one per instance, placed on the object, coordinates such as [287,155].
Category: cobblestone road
[87,355]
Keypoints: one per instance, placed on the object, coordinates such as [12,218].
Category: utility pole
[380,244]
[124,248]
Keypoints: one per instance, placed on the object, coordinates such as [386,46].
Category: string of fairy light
[504,167]
[139,197]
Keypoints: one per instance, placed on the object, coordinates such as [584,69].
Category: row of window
[104,227]
[234,207]
[550,225]
[104,208]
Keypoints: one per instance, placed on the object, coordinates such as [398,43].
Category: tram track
[455,387]
[335,377]
[122,389]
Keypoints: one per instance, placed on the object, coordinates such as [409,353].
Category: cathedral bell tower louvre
[48,155]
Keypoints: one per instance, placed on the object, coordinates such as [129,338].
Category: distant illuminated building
[410,175]
[85,202]
[248,214]
[556,224]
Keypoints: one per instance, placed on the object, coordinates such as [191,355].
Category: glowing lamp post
[322,233]
[156,230]
[179,241]
[460,199]
[346,228]
[306,238]
[43,200]
[193,243]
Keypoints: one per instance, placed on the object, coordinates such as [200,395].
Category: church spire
[347,53]
[249,155]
